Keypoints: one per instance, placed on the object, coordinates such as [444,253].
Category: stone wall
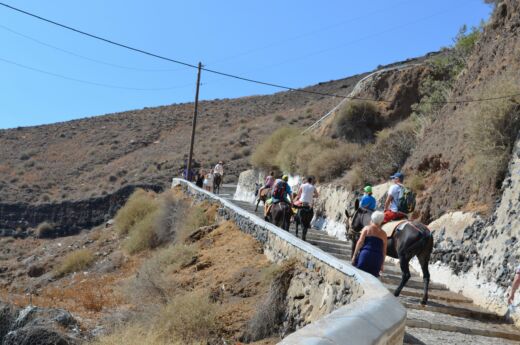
[68,217]
[371,316]
[477,256]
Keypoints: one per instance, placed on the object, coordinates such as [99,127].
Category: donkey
[217,180]
[413,239]
[280,215]
[261,195]
[303,217]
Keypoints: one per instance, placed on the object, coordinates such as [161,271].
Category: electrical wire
[34,69]
[229,75]
[3,27]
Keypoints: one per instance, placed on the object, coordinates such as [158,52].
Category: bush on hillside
[493,128]
[45,230]
[333,162]
[389,153]
[264,155]
[357,122]
[142,234]
[169,216]
[139,205]
[75,261]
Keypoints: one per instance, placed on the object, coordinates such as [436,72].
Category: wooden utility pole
[194,123]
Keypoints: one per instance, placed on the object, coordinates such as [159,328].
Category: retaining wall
[373,316]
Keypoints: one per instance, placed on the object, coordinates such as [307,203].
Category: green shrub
[75,261]
[357,122]
[415,182]
[169,216]
[264,156]
[138,206]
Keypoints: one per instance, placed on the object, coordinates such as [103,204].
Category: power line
[215,71]
[81,56]
[34,69]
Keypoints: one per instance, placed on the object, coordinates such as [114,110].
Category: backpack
[406,202]
[279,190]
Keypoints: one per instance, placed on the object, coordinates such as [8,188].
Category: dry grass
[142,235]
[150,221]
[265,153]
[493,127]
[152,283]
[388,154]
[75,261]
[269,315]
[139,205]
[197,216]
[322,157]
[416,182]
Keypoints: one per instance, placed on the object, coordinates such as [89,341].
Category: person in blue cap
[392,200]
[368,201]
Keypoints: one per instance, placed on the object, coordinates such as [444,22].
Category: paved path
[449,318]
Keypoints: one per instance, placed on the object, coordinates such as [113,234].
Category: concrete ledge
[373,317]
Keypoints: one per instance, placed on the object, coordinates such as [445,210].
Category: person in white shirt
[392,200]
[307,193]
[219,168]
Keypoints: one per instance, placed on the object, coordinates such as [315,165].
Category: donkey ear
[356,204]
[347,214]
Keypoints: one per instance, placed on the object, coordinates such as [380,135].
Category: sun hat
[398,175]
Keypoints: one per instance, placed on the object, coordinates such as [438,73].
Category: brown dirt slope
[443,152]
[94,156]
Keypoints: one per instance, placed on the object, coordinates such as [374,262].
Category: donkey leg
[424,259]
[257,203]
[404,262]
[296,223]
[304,235]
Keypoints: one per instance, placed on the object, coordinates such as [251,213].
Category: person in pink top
[268,183]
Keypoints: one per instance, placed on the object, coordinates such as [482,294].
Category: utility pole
[194,123]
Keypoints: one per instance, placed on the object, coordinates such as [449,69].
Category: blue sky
[295,43]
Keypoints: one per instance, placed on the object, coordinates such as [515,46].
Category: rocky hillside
[460,175]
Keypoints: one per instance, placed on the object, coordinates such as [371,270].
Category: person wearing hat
[392,200]
[368,201]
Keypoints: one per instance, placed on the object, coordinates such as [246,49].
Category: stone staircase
[449,318]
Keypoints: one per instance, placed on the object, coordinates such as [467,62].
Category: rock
[35,271]
[36,336]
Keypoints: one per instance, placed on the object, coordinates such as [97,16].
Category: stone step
[423,336]
[444,322]
[439,295]
[414,282]
[466,310]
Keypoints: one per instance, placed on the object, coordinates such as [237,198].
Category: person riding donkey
[218,175]
[393,210]
[304,205]
[281,193]
[268,184]
[368,201]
